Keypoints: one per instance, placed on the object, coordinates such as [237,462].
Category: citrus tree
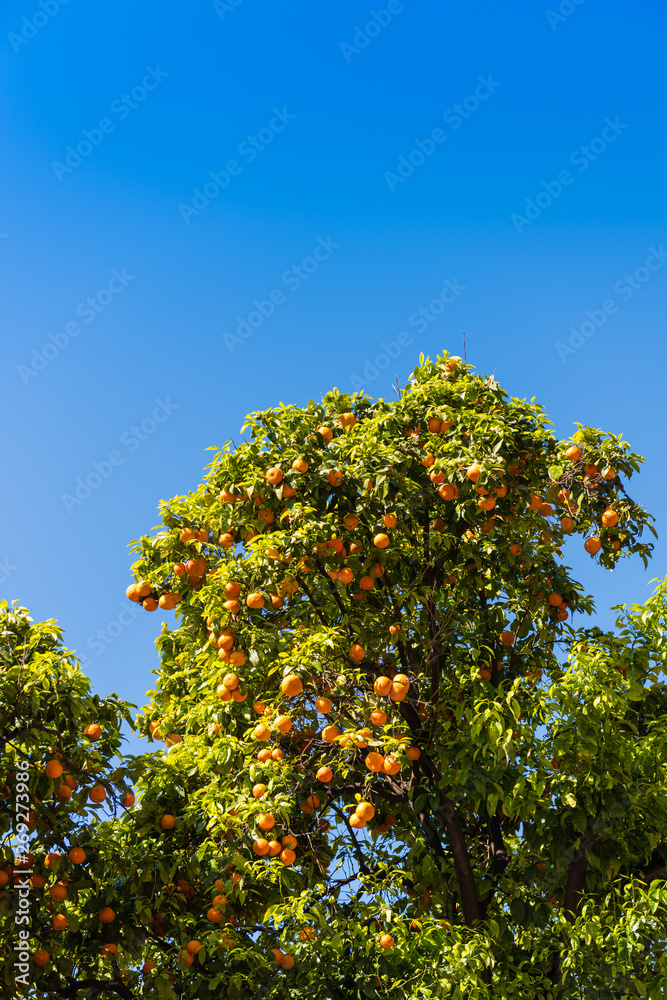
[393,767]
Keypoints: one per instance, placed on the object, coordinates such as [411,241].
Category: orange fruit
[149,604]
[300,465]
[288,840]
[574,453]
[193,947]
[260,847]
[127,800]
[386,941]
[567,524]
[287,856]
[507,638]
[330,734]
[413,753]
[592,545]
[41,957]
[391,765]
[287,961]
[58,891]
[350,521]
[382,686]
[334,477]
[325,432]
[381,541]
[215,916]
[473,472]
[367,582]
[261,732]
[283,724]
[277,754]
[223,693]
[486,503]
[93,731]
[274,476]
[107,915]
[365,811]
[291,686]
[356,822]
[374,761]
[324,774]
[275,848]
[357,652]
[378,717]
[323,705]
[168,822]
[255,601]
[258,791]
[53,769]
[448,492]
[610,518]
[264,755]
[77,855]
[554,600]
[97,794]
[266,821]
[346,575]
[230,681]
[60,922]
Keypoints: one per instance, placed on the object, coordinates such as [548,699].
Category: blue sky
[317,172]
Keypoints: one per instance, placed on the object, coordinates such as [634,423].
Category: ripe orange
[378,717]
[357,652]
[59,922]
[97,794]
[93,731]
[215,916]
[448,492]
[283,724]
[41,957]
[300,465]
[567,524]
[266,821]
[325,432]
[277,754]
[149,604]
[574,453]
[324,774]
[232,606]
[413,753]
[258,791]
[77,855]
[58,891]
[374,761]
[275,848]
[330,734]
[507,638]
[226,540]
[53,769]
[264,755]
[515,550]
[382,686]
[223,692]
[287,961]
[261,731]
[346,575]
[367,582]
[288,840]
[610,518]
[365,811]
[274,476]
[168,822]
[255,601]
[486,503]
[356,822]
[127,800]
[260,847]
[381,540]
[107,915]
[592,545]
[323,705]
[291,686]
[555,600]
[287,856]
[350,521]
[230,681]
[391,765]
[386,941]
[334,477]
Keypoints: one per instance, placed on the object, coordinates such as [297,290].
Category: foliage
[503,813]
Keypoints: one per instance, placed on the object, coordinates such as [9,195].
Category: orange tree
[392,766]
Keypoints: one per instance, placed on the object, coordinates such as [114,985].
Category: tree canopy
[393,766]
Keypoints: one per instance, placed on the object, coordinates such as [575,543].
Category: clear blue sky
[350,187]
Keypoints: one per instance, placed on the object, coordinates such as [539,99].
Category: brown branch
[318,612]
